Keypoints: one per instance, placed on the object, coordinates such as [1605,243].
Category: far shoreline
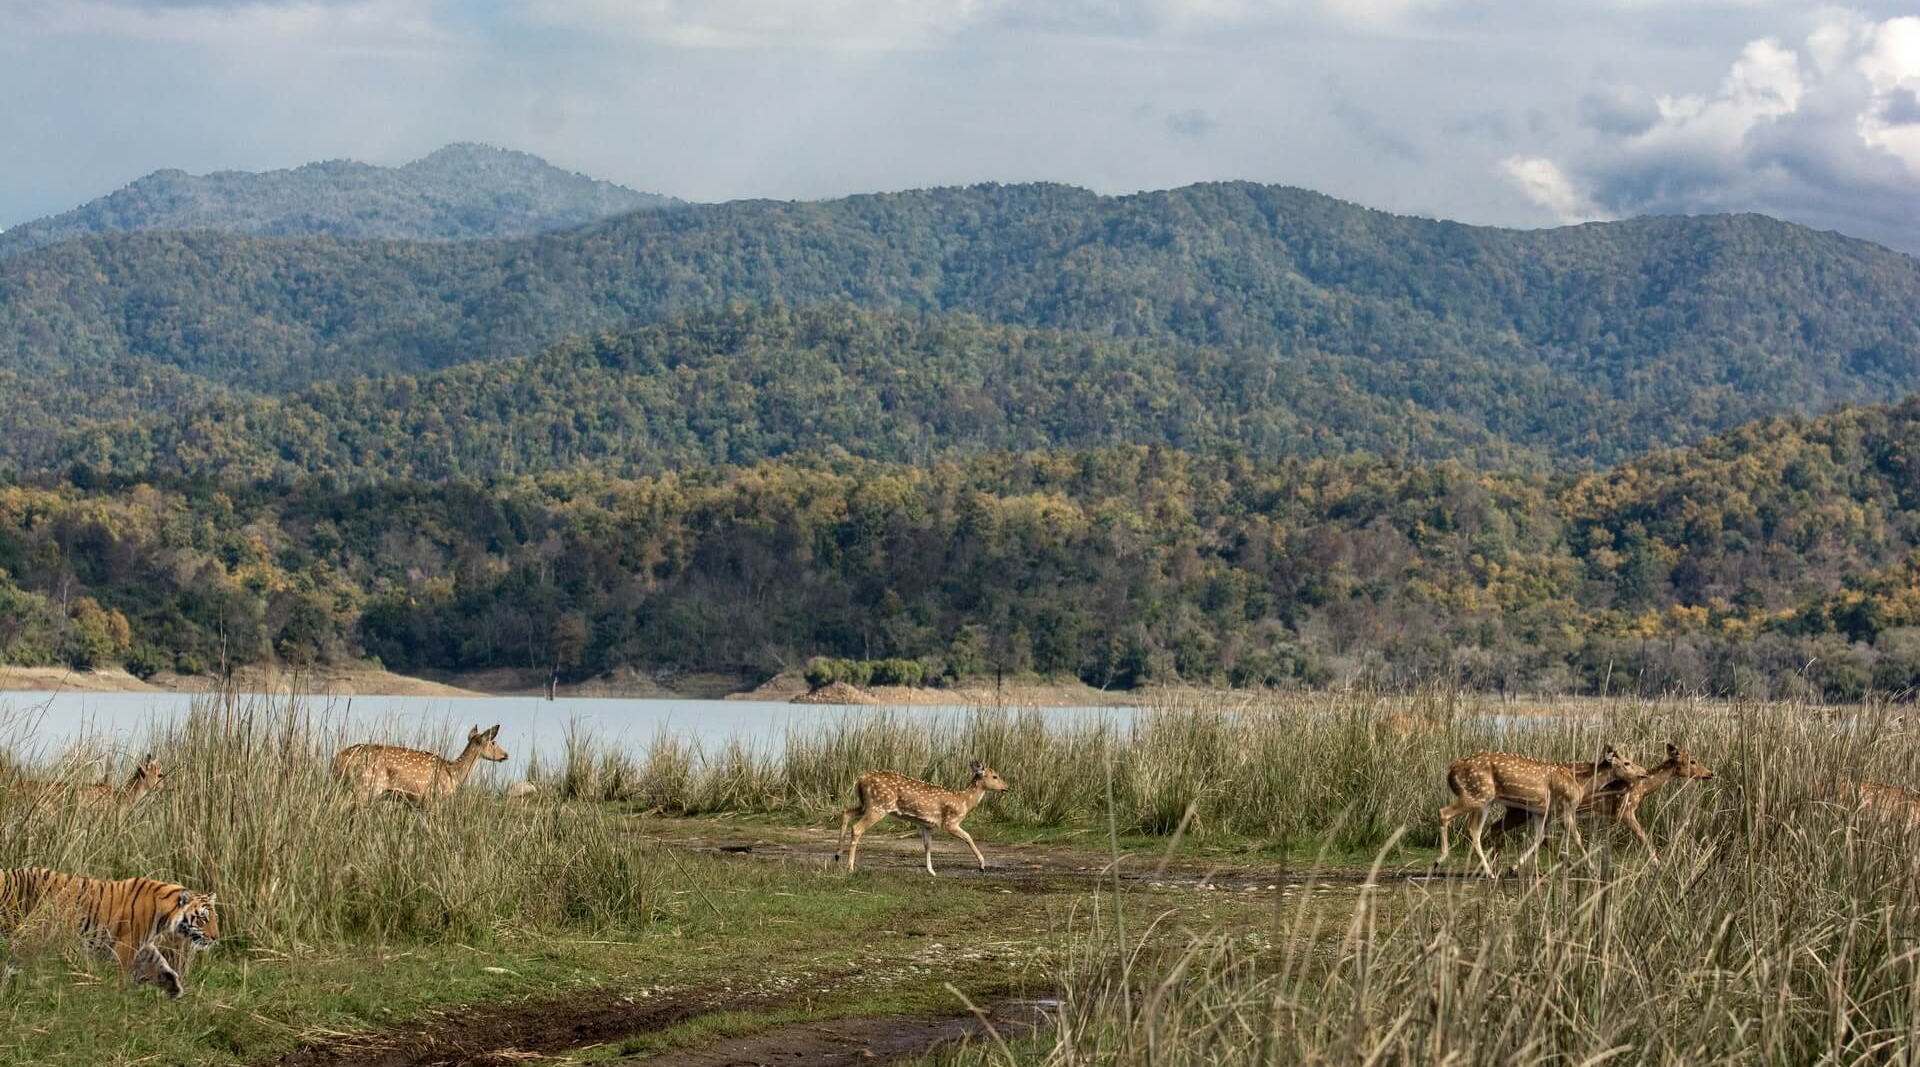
[786,687]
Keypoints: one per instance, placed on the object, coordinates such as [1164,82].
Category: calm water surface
[37,725]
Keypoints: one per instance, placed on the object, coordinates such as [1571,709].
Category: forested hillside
[1587,344]
[1782,557]
[462,191]
[734,387]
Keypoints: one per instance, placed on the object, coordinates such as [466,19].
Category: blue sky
[1523,114]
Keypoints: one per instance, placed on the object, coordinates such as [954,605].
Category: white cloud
[1810,133]
[1546,185]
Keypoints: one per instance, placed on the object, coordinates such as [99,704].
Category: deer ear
[492,732]
[976,766]
[1673,750]
[1609,754]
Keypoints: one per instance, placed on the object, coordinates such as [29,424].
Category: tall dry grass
[250,811]
[1309,769]
[1783,927]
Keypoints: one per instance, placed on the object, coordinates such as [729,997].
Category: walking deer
[1536,786]
[884,793]
[420,777]
[146,777]
[1619,803]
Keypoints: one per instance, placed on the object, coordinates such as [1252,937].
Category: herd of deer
[1530,790]
[369,770]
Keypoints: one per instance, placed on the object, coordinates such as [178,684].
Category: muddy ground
[526,1032]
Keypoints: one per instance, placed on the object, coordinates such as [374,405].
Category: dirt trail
[873,1039]
[1011,867]
[486,1036]
[515,1033]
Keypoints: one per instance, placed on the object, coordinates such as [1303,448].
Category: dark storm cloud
[1619,110]
[1902,107]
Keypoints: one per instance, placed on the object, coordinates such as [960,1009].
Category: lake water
[37,725]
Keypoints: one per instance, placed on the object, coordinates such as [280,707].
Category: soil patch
[865,1040]
[493,1035]
[836,693]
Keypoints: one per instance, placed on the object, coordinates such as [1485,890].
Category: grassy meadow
[1780,926]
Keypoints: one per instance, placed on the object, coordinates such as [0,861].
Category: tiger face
[195,919]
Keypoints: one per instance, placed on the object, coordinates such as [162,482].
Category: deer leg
[953,828]
[1632,819]
[1539,837]
[840,842]
[1452,811]
[1480,823]
[926,846]
[860,826]
[1570,816]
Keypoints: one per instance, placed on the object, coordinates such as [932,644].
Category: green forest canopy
[1586,344]
[1780,557]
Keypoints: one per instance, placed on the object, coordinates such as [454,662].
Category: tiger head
[195,920]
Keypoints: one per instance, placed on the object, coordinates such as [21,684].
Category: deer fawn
[884,793]
[1532,785]
[1619,803]
[420,777]
[100,796]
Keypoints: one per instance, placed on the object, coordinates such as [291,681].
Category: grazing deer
[1616,802]
[884,793]
[147,777]
[1532,785]
[420,777]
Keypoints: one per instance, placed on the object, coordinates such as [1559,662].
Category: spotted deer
[1616,802]
[884,793]
[1535,786]
[1889,803]
[147,777]
[420,777]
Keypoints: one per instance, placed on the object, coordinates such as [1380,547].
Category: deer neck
[971,796]
[1590,779]
[456,770]
[1656,778]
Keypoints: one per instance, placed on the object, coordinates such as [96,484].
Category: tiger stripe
[138,916]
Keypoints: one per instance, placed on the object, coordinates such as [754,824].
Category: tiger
[138,919]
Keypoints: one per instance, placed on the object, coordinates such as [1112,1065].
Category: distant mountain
[463,191]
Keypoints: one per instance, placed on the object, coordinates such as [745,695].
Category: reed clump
[250,810]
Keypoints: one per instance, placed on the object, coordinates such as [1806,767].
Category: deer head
[1684,765]
[989,779]
[1612,764]
[484,742]
[147,776]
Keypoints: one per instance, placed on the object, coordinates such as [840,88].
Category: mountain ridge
[460,191]
[1589,343]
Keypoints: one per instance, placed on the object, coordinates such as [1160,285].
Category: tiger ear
[186,897]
